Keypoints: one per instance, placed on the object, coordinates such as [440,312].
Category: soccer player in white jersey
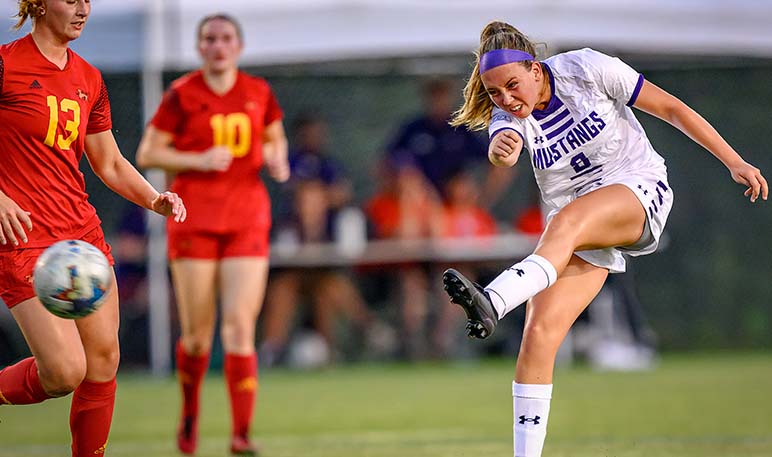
[604,184]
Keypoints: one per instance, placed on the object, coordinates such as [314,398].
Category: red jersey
[236,199]
[46,113]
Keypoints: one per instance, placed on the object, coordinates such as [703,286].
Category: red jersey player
[215,129]
[53,109]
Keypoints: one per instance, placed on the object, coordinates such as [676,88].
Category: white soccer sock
[520,282]
[531,405]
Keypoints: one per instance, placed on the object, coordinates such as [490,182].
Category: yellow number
[232,130]
[218,129]
[70,126]
[53,119]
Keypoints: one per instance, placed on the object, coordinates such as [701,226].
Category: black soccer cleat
[474,300]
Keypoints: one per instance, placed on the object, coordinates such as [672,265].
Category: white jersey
[588,131]
[587,137]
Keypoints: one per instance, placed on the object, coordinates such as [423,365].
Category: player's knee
[197,345]
[540,338]
[63,377]
[565,223]
[106,360]
[238,333]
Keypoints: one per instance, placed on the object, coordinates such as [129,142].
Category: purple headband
[498,57]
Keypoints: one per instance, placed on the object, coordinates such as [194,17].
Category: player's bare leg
[549,316]
[194,284]
[87,368]
[93,401]
[59,372]
[242,288]
[610,216]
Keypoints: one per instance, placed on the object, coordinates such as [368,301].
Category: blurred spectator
[309,159]
[406,207]
[431,193]
[319,188]
[463,216]
[440,151]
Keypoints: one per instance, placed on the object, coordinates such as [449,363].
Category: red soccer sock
[241,377]
[20,384]
[91,414]
[190,374]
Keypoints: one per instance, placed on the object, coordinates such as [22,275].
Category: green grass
[691,405]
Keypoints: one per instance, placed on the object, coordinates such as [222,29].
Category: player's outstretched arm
[275,151]
[667,107]
[119,175]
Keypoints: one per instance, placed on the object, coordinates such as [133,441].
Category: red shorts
[215,246]
[16,267]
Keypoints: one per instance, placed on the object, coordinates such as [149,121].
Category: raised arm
[659,103]
[504,148]
[119,175]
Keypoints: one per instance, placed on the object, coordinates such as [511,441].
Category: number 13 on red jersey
[66,106]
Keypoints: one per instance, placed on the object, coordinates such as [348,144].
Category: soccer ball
[72,278]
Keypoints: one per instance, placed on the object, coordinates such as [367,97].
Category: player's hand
[746,174]
[170,204]
[13,220]
[216,158]
[504,149]
[279,169]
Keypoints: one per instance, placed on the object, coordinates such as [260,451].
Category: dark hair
[475,113]
[222,17]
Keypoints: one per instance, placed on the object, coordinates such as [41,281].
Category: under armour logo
[645,192]
[519,272]
[538,139]
[534,419]
[82,95]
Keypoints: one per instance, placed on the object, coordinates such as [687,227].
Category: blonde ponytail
[475,113]
[28,9]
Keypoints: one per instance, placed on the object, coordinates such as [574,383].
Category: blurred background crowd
[373,160]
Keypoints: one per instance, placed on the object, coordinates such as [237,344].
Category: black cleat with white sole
[474,300]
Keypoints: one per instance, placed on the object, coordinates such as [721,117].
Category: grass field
[706,405]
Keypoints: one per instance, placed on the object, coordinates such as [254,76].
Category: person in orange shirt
[462,215]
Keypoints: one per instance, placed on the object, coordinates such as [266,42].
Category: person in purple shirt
[309,160]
